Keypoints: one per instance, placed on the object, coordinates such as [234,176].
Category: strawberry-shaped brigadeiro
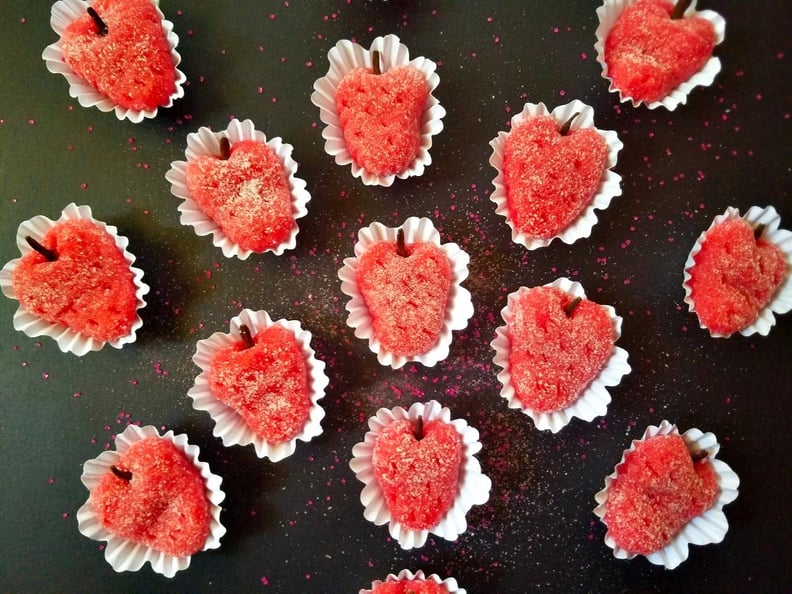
[155,496]
[265,379]
[120,48]
[380,115]
[658,489]
[735,274]
[417,465]
[406,290]
[652,48]
[78,277]
[557,345]
[551,174]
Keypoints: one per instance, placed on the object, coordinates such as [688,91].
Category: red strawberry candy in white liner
[609,12]
[594,398]
[460,304]
[66,11]
[125,555]
[474,486]
[346,56]
[781,302]
[68,340]
[706,528]
[405,574]
[204,142]
[230,427]
[610,185]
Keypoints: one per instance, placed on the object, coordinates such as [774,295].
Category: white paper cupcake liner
[610,184]
[594,398]
[460,303]
[204,142]
[230,426]
[781,302]
[474,486]
[68,340]
[405,574]
[343,58]
[609,12]
[123,554]
[706,528]
[64,12]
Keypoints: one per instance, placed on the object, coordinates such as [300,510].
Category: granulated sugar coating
[88,287]
[648,54]
[267,384]
[419,478]
[407,297]
[550,178]
[553,356]
[734,276]
[247,195]
[656,492]
[407,586]
[163,505]
[380,115]
[131,64]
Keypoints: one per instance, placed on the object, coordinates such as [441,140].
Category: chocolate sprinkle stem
[418,430]
[244,332]
[225,148]
[700,455]
[759,231]
[571,306]
[679,9]
[376,68]
[49,254]
[564,129]
[401,249]
[100,24]
[124,475]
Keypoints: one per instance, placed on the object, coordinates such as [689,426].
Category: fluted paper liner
[594,398]
[405,574]
[460,305]
[609,12]
[68,340]
[230,426]
[123,554]
[346,56]
[64,12]
[781,302]
[204,142]
[610,183]
[706,528]
[474,486]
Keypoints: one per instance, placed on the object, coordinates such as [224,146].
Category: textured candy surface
[406,586]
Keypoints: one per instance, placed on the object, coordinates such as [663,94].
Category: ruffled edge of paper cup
[594,400]
[460,302]
[609,12]
[708,527]
[230,426]
[204,142]
[474,486]
[346,56]
[610,183]
[781,302]
[123,554]
[69,340]
[66,11]
[405,574]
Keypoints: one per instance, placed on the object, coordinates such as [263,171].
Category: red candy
[132,63]
[656,492]
[163,505]
[89,287]
[247,195]
[734,276]
[267,384]
[419,478]
[406,586]
[648,54]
